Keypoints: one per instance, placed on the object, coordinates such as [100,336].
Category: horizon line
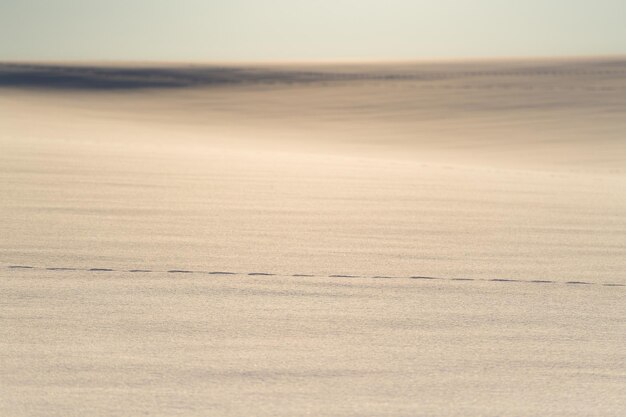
[323,61]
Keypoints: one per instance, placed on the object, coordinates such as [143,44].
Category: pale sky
[252,30]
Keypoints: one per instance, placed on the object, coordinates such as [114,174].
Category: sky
[307,30]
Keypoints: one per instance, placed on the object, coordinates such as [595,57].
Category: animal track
[267,274]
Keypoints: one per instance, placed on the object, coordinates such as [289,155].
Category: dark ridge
[21,267]
[179,271]
[222,273]
[104,78]
[136,78]
[52,80]
[261,274]
[417,277]
[100,270]
[61,269]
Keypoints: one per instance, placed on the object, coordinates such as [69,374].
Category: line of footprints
[185,271]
